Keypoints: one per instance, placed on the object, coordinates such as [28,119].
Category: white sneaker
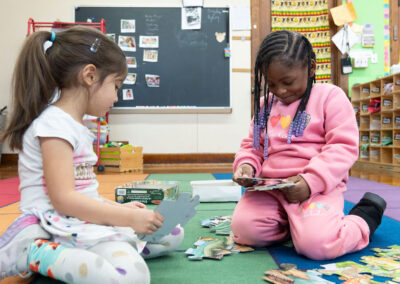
[15,245]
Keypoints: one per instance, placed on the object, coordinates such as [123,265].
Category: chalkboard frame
[177,108]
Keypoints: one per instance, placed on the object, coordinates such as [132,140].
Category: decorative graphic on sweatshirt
[284,121]
[313,209]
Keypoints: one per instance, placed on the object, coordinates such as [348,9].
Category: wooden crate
[122,159]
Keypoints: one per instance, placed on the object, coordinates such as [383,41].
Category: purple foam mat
[356,188]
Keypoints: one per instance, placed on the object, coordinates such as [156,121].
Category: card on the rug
[175,212]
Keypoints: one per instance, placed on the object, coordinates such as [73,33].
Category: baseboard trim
[150,159]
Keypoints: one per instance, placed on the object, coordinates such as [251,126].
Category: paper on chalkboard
[191,18]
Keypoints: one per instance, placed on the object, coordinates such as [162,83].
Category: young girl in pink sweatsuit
[305,133]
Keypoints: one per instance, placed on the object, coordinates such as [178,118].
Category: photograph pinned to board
[150,55]
[128,26]
[131,62]
[191,18]
[111,36]
[152,81]
[148,41]
[127,95]
[130,79]
[127,43]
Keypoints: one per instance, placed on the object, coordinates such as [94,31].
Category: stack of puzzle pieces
[213,247]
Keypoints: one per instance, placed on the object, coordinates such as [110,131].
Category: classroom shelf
[379,131]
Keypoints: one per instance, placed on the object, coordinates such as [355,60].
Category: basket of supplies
[121,157]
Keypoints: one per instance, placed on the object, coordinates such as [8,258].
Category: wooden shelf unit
[375,128]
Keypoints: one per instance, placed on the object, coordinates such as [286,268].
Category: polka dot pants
[107,262]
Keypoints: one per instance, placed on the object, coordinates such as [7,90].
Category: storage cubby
[364,154]
[355,93]
[375,138]
[375,122]
[396,138]
[396,157]
[364,137]
[396,119]
[365,91]
[375,154]
[387,86]
[387,138]
[356,108]
[379,127]
[364,106]
[386,155]
[387,120]
[387,103]
[364,122]
[396,81]
[396,100]
[375,89]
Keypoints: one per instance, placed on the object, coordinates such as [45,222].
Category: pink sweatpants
[318,227]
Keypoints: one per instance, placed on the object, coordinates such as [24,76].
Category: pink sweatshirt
[325,152]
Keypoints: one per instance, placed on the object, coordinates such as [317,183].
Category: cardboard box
[147,191]
[216,190]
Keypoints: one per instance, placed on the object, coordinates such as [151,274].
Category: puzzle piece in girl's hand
[271,186]
[175,212]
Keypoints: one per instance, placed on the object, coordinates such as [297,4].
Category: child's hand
[134,205]
[146,221]
[242,171]
[297,193]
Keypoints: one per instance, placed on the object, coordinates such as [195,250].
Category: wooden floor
[373,174]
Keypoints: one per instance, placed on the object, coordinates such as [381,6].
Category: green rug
[234,268]
[176,268]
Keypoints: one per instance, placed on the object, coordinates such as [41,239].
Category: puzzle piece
[207,247]
[271,186]
[392,252]
[175,212]
[220,225]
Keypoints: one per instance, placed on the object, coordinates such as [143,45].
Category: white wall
[157,133]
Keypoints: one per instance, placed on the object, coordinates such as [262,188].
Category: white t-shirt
[66,230]
[54,122]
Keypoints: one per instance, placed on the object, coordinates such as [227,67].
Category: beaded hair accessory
[296,127]
[260,125]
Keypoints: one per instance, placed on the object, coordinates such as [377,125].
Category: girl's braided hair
[292,48]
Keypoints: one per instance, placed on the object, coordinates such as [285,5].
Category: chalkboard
[194,73]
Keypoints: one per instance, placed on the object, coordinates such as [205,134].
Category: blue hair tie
[53,36]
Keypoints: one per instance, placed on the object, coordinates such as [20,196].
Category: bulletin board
[194,75]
